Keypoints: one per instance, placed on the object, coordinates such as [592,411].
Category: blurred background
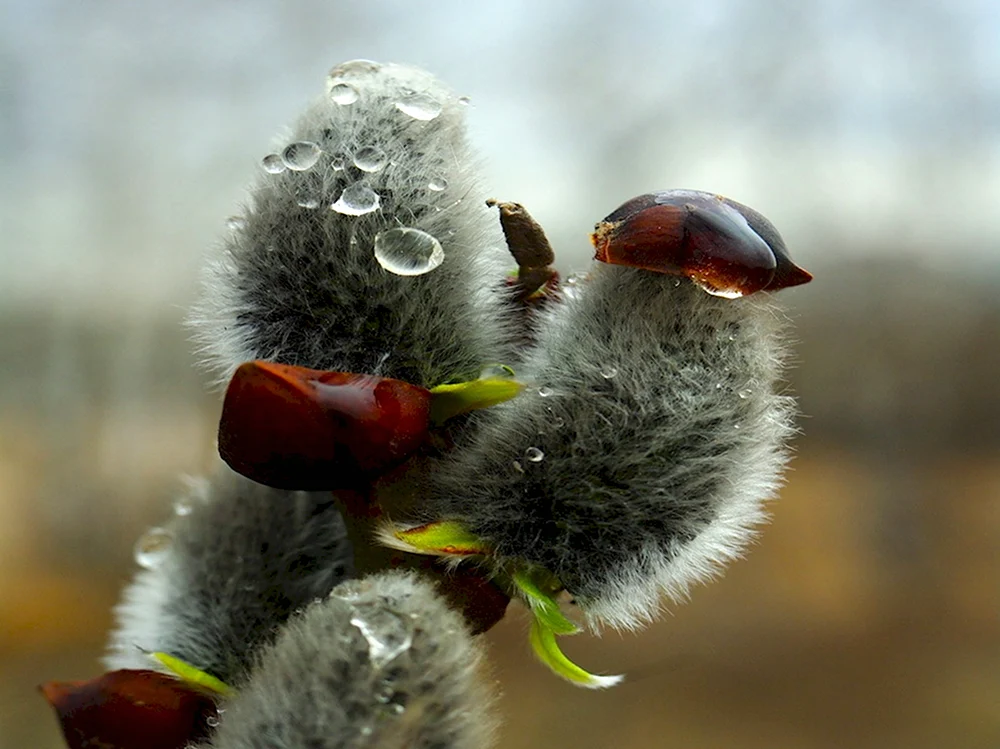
[868,131]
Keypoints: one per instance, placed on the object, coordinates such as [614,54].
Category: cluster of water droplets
[388,633]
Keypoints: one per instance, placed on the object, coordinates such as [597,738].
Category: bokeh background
[867,130]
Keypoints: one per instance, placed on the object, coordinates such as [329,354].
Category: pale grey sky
[129,129]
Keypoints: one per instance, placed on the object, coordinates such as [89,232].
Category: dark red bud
[296,428]
[725,247]
[130,710]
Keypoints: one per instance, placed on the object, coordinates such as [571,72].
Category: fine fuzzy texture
[638,461]
[383,662]
[301,285]
[242,559]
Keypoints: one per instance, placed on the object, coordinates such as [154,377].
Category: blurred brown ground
[868,615]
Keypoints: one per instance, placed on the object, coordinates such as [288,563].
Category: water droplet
[211,721]
[419,106]
[308,203]
[714,291]
[745,393]
[558,422]
[388,634]
[408,252]
[366,730]
[183,507]
[677,282]
[518,467]
[370,159]
[736,426]
[534,455]
[496,371]
[732,336]
[301,155]
[273,164]
[718,386]
[236,223]
[398,708]
[338,163]
[437,184]
[359,68]
[545,392]
[464,100]
[356,200]
[153,548]
[343,94]
[609,371]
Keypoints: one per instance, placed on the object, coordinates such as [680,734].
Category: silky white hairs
[382,662]
[241,559]
[297,282]
[638,461]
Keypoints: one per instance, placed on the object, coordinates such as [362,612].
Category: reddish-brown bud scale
[296,428]
[725,247]
[130,710]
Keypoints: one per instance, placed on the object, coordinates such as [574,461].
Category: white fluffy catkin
[297,282]
[383,662]
[241,560]
[639,460]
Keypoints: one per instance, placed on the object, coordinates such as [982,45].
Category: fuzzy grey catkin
[382,662]
[639,460]
[301,285]
[242,559]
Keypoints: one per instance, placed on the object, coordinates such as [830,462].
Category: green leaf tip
[543,642]
[191,675]
[442,538]
[458,398]
[538,586]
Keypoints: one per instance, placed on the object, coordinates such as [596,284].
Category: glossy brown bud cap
[296,428]
[727,248]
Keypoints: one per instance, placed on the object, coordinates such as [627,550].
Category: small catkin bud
[229,569]
[382,662]
[638,462]
[366,245]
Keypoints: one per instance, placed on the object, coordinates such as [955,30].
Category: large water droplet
[343,94]
[353,69]
[714,291]
[273,164]
[408,252]
[609,371]
[356,200]
[437,184]
[388,634]
[153,548]
[534,455]
[370,159]
[419,106]
[301,155]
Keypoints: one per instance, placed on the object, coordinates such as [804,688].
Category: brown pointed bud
[726,248]
[131,710]
[296,428]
